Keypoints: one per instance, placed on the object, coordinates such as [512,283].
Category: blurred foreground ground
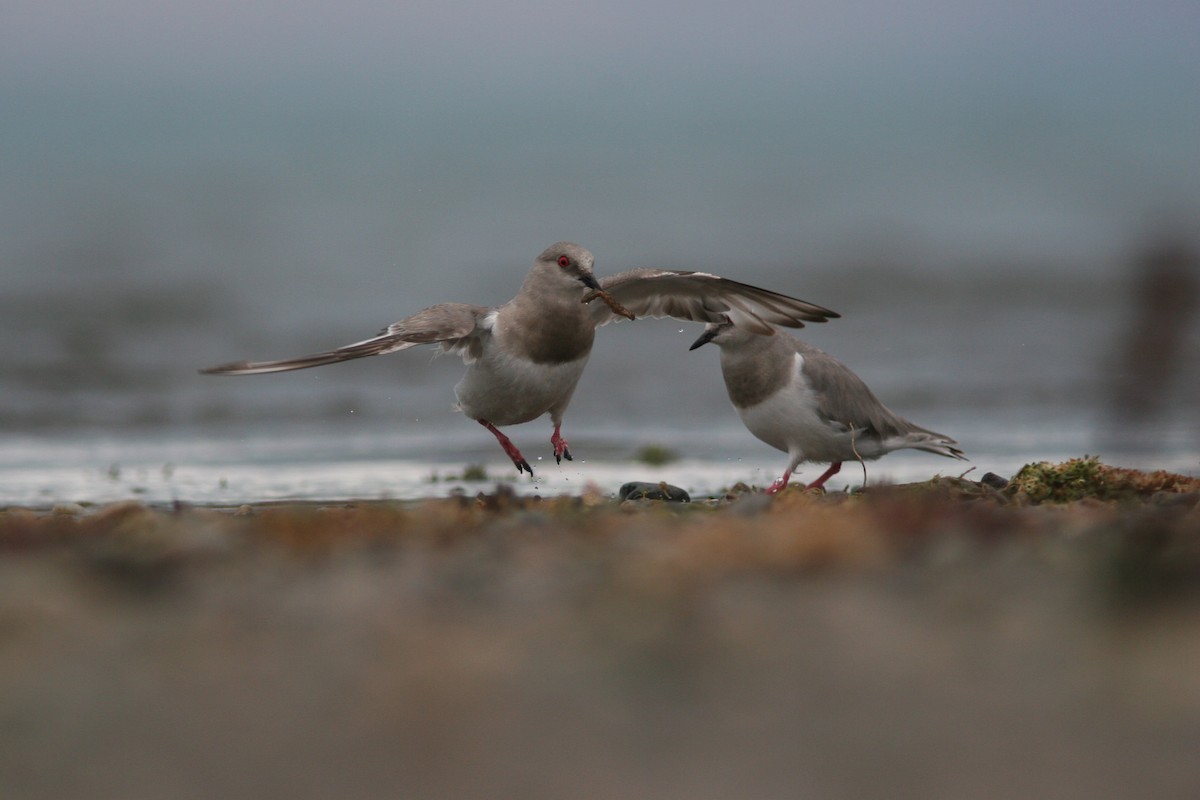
[940,640]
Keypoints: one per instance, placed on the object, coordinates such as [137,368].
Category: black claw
[567,454]
[523,465]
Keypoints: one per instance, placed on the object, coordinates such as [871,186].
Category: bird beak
[704,339]
[590,281]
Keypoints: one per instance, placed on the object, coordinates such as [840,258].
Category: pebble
[993,480]
[643,490]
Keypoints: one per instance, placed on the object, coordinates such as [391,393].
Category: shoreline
[958,636]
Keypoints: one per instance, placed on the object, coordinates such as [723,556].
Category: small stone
[993,480]
[643,490]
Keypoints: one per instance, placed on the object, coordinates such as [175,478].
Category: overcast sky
[233,39]
[1030,121]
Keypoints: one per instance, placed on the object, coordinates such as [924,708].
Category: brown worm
[616,307]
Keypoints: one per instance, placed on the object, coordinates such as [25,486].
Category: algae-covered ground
[1037,637]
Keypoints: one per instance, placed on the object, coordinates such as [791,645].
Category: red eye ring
[563,261]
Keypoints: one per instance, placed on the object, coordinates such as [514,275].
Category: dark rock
[642,490]
[993,480]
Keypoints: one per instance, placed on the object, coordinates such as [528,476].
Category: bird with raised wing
[803,401]
[525,357]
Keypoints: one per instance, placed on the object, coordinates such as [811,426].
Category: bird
[803,401]
[525,357]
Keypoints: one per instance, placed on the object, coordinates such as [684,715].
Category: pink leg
[819,483]
[778,485]
[511,449]
[560,446]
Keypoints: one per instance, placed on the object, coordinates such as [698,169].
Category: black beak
[704,339]
[590,282]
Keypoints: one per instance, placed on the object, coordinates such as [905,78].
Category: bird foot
[819,483]
[778,486]
[510,449]
[560,447]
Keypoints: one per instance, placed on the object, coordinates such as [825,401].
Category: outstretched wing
[701,297]
[456,326]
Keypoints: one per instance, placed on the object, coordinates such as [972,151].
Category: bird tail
[935,443]
[370,347]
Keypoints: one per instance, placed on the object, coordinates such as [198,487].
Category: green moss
[656,455]
[474,472]
[1044,482]
[1086,477]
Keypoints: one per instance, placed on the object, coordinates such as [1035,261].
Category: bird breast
[750,380]
[557,335]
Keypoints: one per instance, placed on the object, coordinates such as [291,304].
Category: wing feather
[456,326]
[701,297]
[844,397]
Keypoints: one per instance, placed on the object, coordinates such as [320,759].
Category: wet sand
[949,639]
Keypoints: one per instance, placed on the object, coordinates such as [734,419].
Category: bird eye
[563,261]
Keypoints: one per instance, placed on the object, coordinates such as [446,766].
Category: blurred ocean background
[1002,200]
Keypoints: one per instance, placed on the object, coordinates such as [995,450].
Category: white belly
[788,421]
[509,391]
